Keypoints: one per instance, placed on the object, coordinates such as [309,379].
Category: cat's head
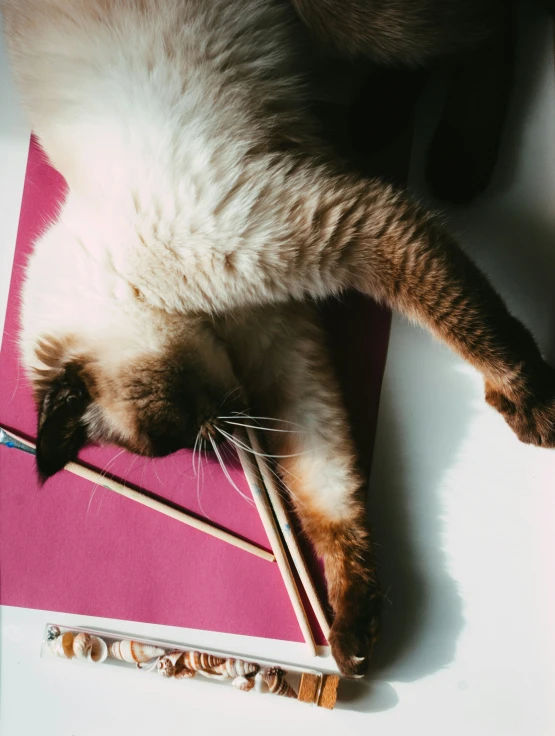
[106,366]
[150,404]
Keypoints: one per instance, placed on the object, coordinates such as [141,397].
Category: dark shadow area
[422,616]
[422,612]
[507,231]
[510,239]
[533,25]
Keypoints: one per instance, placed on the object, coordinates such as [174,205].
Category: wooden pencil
[95,476]
[288,533]
[271,528]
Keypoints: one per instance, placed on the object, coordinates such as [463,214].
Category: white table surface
[463,514]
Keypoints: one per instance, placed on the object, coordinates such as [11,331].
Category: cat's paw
[354,633]
[532,419]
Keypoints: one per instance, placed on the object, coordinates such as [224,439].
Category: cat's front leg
[353,590]
[328,497]
[365,234]
[316,460]
[329,231]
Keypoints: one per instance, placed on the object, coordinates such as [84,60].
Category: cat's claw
[342,643]
[353,636]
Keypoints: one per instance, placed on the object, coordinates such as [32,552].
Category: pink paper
[74,547]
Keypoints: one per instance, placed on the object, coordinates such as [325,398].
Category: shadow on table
[514,241]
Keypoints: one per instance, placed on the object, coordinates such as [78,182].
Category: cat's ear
[61,431]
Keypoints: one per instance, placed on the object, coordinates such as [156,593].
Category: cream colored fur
[152,139]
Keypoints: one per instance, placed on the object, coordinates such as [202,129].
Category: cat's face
[108,367]
[151,404]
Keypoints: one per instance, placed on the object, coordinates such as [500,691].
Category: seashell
[236,668]
[134,651]
[82,646]
[52,632]
[182,672]
[243,683]
[260,684]
[99,650]
[200,662]
[167,664]
[209,662]
[274,677]
[192,660]
[63,645]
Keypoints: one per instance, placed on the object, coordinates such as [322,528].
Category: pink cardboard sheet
[73,547]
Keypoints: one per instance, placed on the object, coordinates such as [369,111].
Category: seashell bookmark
[174,663]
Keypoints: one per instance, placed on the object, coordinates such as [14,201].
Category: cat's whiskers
[153,463]
[282,488]
[257,426]
[204,447]
[246,448]
[103,472]
[200,468]
[195,470]
[125,481]
[226,472]
[251,417]
[230,393]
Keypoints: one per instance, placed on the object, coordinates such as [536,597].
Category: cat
[204,216]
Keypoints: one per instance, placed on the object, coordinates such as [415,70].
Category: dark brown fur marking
[61,392]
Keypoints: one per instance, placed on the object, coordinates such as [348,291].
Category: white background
[463,514]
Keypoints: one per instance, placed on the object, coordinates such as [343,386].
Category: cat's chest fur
[163,142]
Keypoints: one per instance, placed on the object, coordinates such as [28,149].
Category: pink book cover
[74,547]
